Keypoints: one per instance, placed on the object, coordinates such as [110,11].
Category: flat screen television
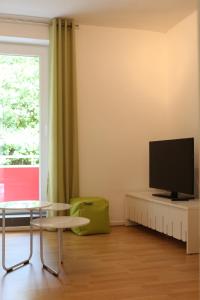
[171,167]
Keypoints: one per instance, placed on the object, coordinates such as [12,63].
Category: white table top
[60,222]
[24,205]
[58,206]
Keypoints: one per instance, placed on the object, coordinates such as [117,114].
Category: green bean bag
[95,209]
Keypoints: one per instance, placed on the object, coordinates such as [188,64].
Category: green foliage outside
[19,108]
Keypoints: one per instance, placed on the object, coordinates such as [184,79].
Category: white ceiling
[156,15]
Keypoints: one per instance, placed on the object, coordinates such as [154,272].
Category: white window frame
[42,52]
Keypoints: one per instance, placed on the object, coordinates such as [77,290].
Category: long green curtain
[63,181]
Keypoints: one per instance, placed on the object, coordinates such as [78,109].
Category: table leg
[60,252]
[60,241]
[45,266]
[22,263]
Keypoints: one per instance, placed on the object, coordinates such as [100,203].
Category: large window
[23,122]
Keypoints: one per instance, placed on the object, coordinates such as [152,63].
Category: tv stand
[174,196]
[173,218]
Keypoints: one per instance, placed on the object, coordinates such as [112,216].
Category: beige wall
[183,80]
[133,86]
[122,105]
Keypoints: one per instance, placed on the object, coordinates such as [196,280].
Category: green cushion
[95,209]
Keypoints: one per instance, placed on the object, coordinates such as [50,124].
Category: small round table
[59,223]
[29,206]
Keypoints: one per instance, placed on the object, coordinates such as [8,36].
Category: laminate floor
[131,263]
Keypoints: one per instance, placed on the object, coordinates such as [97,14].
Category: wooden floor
[130,263]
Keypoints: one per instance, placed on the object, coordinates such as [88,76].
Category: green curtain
[63,181]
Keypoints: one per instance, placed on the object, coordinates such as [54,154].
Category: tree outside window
[19,110]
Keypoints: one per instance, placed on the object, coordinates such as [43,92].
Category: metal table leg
[60,243]
[60,254]
[24,262]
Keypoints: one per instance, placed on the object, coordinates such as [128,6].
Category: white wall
[183,81]
[122,105]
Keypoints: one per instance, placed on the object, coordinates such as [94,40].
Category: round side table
[28,206]
[59,223]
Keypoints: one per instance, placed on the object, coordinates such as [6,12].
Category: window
[23,122]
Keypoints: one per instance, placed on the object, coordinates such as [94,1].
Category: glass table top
[60,222]
[24,205]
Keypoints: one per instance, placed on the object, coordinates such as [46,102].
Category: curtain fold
[63,179]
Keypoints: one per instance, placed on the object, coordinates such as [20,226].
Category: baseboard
[117,223]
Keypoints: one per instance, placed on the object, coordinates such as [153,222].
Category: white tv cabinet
[179,219]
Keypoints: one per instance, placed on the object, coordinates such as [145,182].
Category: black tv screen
[171,165]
